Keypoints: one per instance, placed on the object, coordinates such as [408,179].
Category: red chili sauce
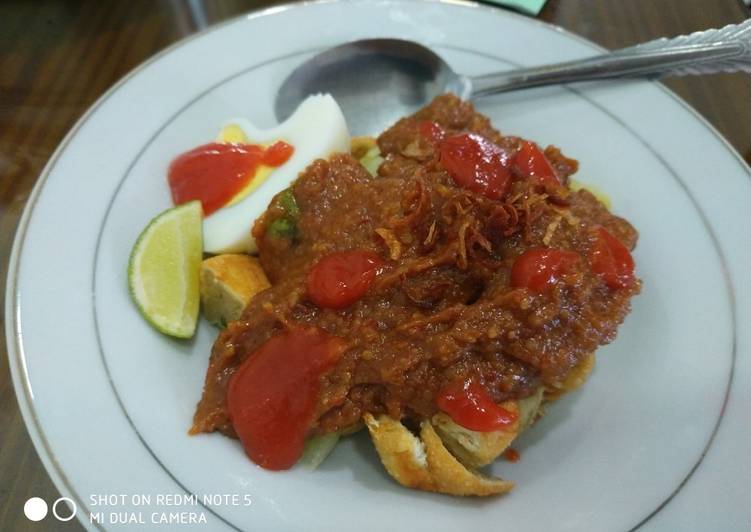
[215,173]
[469,405]
[272,396]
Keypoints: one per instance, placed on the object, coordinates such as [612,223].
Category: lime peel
[163,270]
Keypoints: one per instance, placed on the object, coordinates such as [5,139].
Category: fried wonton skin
[424,463]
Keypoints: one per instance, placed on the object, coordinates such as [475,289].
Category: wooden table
[57,57]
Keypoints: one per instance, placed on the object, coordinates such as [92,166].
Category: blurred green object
[530,7]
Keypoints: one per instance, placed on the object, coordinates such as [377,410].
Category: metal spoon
[376,81]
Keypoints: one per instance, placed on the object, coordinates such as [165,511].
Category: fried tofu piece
[228,282]
[424,463]
[476,449]
[531,409]
[575,378]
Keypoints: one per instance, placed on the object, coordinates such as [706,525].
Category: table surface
[57,58]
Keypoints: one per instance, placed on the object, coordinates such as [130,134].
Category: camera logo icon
[36,509]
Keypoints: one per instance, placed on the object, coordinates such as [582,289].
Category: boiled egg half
[315,130]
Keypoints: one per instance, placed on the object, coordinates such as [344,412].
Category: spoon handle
[726,49]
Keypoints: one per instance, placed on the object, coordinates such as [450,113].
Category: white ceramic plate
[657,440]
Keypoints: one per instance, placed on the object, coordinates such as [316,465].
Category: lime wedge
[163,270]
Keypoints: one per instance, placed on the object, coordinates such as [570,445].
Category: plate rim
[13,330]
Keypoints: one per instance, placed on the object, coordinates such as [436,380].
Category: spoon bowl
[375,81]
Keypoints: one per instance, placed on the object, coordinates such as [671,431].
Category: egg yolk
[219,174]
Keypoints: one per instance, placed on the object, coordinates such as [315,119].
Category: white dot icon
[35,509]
